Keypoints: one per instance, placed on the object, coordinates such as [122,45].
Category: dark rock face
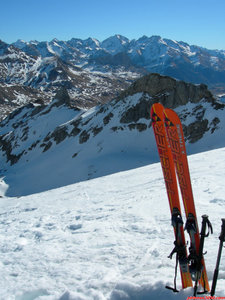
[135,113]
[62,97]
[170,92]
[6,146]
[107,118]
[84,136]
[195,131]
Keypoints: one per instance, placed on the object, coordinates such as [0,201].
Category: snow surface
[106,238]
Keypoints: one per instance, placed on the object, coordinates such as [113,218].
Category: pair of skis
[171,147]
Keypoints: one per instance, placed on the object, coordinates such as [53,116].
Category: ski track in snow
[107,238]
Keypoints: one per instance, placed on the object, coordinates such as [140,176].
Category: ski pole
[216,271]
[205,221]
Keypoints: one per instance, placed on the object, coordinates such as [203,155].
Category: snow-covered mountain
[54,145]
[154,54]
[94,72]
[26,78]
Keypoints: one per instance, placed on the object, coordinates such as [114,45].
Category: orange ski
[177,144]
[169,174]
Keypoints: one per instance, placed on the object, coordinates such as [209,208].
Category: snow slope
[107,150]
[53,146]
[106,238]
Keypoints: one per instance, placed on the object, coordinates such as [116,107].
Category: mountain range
[95,72]
[56,144]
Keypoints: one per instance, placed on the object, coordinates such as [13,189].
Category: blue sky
[198,22]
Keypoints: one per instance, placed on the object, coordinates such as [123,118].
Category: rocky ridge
[83,144]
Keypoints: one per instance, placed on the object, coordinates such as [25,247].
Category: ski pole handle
[222,235]
[205,221]
[203,234]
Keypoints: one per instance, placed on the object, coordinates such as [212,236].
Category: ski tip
[156,112]
[171,114]
[157,107]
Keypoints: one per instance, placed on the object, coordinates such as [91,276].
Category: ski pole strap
[206,223]
[174,289]
[179,250]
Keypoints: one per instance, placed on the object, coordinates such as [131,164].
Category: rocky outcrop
[171,93]
[168,91]
[62,97]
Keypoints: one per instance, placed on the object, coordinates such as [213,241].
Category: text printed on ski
[180,138]
[205,298]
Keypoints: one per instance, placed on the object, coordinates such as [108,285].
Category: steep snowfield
[57,146]
[106,238]
[105,152]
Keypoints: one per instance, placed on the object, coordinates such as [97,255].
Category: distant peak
[144,37]
[115,44]
[92,41]
[34,42]
[20,43]
[55,40]
[118,37]
[155,38]
[3,44]
[121,37]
